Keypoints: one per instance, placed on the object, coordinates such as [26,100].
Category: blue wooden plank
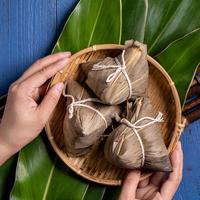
[28,31]
[190,186]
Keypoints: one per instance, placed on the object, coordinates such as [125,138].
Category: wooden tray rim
[179,119]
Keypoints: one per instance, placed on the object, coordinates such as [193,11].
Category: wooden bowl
[164,98]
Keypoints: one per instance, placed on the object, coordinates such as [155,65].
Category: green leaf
[7,177]
[134,14]
[180,59]
[112,193]
[92,22]
[41,176]
[94,190]
[169,20]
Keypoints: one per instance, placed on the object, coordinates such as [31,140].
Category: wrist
[6,148]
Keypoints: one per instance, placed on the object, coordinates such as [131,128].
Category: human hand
[158,186]
[25,114]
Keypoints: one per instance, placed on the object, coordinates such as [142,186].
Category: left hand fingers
[49,102]
[39,78]
[43,88]
[130,185]
[43,62]
[39,93]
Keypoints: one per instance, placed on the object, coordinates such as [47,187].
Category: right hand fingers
[169,187]
[130,185]
[158,178]
[143,183]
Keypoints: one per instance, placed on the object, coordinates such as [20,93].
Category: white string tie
[136,128]
[120,68]
[81,103]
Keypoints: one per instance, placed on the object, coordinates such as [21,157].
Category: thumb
[130,185]
[169,187]
[50,101]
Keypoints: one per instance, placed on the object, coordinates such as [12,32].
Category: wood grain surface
[29,30]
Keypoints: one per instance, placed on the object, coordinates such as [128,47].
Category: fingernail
[180,145]
[66,57]
[64,60]
[63,55]
[59,86]
[67,53]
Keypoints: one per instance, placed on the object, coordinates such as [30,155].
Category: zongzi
[115,80]
[137,143]
[86,119]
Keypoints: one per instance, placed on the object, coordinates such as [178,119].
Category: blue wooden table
[28,31]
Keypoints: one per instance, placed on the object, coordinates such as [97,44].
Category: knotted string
[120,68]
[136,128]
[81,103]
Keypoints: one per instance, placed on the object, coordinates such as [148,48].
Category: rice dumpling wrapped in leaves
[137,143]
[86,119]
[115,80]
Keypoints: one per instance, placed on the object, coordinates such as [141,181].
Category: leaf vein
[48,181]
[95,24]
[164,28]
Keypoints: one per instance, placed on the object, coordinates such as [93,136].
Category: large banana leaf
[180,59]
[95,190]
[90,23]
[104,21]
[169,20]
[39,176]
[134,15]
